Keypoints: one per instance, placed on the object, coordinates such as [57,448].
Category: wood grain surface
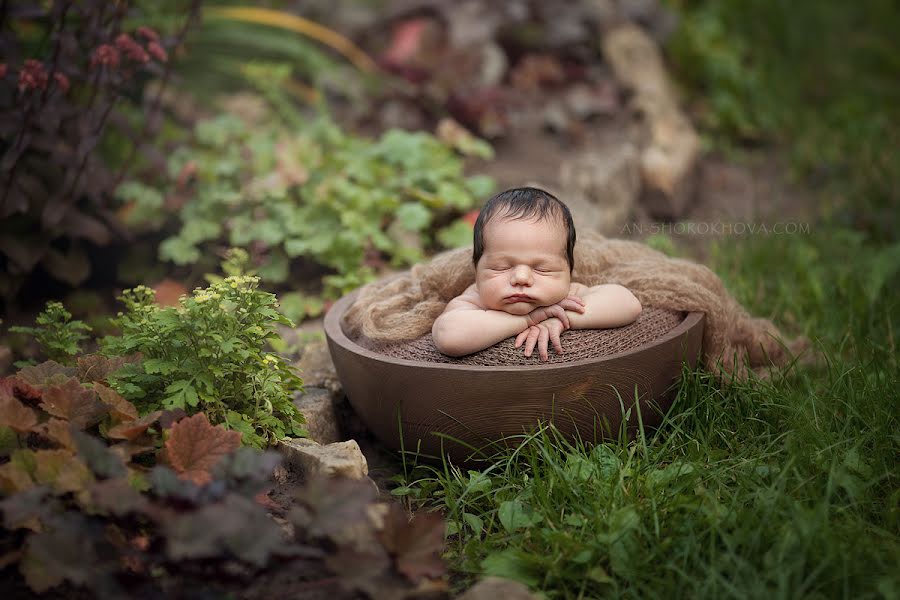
[425,406]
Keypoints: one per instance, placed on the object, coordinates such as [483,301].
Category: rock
[472,23]
[668,160]
[318,407]
[601,187]
[309,458]
[316,367]
[492,588]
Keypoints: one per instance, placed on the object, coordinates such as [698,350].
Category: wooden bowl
[432,408]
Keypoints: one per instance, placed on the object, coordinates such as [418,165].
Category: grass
[821,79]
[781,488]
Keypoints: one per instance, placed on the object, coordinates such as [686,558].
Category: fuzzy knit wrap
[405,307]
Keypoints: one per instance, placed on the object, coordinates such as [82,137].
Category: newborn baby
[524,247]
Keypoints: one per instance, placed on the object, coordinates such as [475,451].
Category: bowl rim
[335,334]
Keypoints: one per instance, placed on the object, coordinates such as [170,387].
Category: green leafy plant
[208,354]
[127,506]
[818,78]
[346,203]
[58,335]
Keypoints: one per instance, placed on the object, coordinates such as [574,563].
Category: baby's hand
[558,310]
[541,335]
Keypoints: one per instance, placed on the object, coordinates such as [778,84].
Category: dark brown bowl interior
[424,406]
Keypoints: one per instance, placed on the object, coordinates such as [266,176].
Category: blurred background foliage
[821,79]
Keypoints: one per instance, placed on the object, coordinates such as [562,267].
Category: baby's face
[523,265]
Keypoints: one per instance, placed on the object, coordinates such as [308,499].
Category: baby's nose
[521,275]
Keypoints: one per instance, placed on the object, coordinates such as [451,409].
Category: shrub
[208,354]
[129,506]
[341,201]
[66,68]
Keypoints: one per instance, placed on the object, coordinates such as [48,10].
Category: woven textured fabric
[652,324]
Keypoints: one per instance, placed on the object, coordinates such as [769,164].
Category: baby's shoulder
[577,289]
[470,298]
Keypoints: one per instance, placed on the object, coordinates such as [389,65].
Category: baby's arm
[607,305]
[465,327]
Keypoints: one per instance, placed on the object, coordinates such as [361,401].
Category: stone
[317,405]
[601,187]
[492,588]
[316,367]
[669,158]
[309,458]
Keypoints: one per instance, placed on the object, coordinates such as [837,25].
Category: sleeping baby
[524,256]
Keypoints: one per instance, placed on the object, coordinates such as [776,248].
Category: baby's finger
[521,337]
[560,313]
[557,345]
[569,304]
[532,340]
[576,299]
[543,340]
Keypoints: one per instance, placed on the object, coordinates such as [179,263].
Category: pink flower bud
[62,81]
[105,56]
[131,48]
[32,76]
[148,34]
[157,52]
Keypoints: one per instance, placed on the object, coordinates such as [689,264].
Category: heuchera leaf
[96,367]
[62,553]
[130,430]
[14,479]
[117,497]
[99,459]
[58,431]
[120,408]
[62,470]
[15,414]
[46,373]
[195,446]
[330,507]
[77,404]
[237,525]
[12,386]
[416,544]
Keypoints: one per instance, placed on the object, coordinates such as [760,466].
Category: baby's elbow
[634,308]
[631,307]
[446,340]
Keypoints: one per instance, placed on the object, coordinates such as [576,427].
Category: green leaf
[413,216]
[181,394]
[474,522]
[456,235]
[480,186]
[159,365]
[179,251]
[512,564]
[514,515]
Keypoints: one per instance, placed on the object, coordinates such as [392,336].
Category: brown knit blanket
[405,307]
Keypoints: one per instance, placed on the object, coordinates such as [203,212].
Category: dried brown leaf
[61,469]
[58,431]
[46,373]
[195,446]
[415,544]
[14,479]
[15,414]
[120,408]
[75,403]
[129,430]
[96,367]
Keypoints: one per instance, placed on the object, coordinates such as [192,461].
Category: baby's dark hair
[525,203]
